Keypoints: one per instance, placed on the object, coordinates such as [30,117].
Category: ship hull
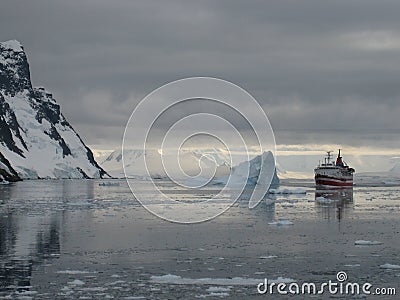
[333,176]
[332,181]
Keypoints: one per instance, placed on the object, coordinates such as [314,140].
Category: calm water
[75,239]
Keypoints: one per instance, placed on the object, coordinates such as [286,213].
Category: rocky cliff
[36,140]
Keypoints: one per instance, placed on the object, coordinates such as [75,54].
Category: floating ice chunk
[268,257]
[95,289]
[218,289]
[323,200]
[352,265]
[390,266]
[287,191]
[109,184]
[116,282]
[76,282]
[367,243]
[73,272]
[174,279]
[220,294]
[281,223]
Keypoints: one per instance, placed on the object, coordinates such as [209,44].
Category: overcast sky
[324,71]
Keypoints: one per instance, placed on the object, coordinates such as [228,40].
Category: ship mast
[329,156]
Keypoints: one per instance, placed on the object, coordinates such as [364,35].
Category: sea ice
[218,289]
[390,266]
[367,243]
[352,265]
[268,257]
[95,289]
[116,282]
[73,272]
[174,279]
[219,294]
[323,200]
[76,282]
[281,223]
[287,191]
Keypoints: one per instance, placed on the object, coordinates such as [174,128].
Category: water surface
[70,239]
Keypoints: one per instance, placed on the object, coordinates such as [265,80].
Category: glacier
[36,140]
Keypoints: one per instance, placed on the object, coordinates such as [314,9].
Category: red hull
[334,183]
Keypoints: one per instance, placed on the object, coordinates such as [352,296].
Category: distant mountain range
[36,141]
[190,160]
[302,166]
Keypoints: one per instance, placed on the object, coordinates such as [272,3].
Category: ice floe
[76,282]
[175,279]
[286,191]
[268,257]
[390,266]
[352,265]
[323,200]
[73,272]
[218,289]
[367,243]
[281,223]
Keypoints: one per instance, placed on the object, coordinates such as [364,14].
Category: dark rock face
[7,173]
[14,73]
[36,141]
[9,127]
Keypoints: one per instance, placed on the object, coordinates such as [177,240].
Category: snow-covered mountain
[36,141]
[190,160]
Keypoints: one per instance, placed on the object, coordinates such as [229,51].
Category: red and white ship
[337,174]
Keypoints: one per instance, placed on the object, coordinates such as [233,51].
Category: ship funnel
[339,161]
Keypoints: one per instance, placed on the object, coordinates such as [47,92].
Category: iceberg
[253,168]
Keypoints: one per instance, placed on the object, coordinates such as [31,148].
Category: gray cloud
[316,66]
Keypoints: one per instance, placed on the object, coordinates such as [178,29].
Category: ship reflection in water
[333,203]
